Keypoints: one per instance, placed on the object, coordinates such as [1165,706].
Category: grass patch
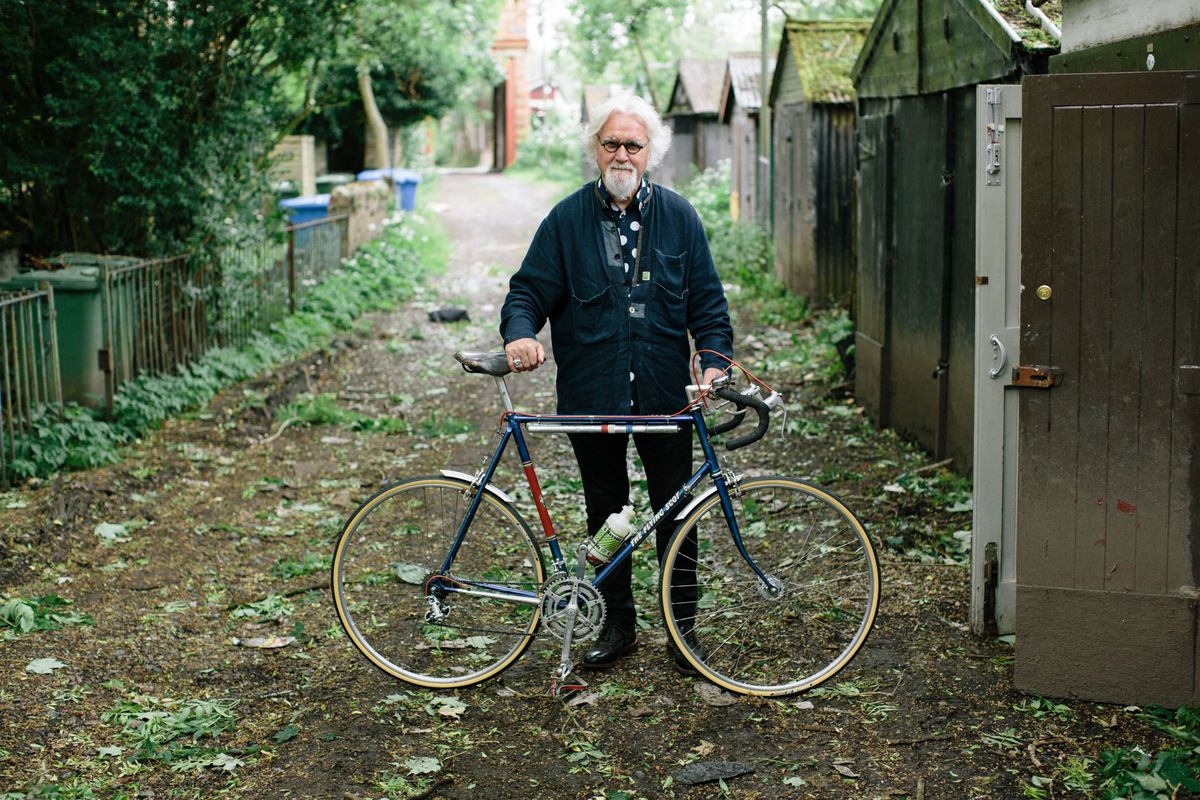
[323,409]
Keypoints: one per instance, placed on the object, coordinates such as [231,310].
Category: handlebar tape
[760,408]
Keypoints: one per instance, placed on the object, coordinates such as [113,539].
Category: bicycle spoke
[412,623]
[809,616]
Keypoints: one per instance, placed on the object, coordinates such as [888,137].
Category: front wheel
[418,619]
[799,622]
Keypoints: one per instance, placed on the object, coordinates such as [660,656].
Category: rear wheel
[799,626]
[417,622]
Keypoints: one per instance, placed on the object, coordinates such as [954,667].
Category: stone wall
[368,203]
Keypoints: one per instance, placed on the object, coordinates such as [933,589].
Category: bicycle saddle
[494,364]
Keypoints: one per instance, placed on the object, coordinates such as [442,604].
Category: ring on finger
[516,362]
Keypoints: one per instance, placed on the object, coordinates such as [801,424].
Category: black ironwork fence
[29,374]
[161,314]
[165,313]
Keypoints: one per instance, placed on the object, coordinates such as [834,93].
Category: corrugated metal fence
[163,313]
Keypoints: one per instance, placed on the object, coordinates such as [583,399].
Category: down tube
[469,517]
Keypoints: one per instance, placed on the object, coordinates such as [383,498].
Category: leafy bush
[78,439]
[1138,775]
[143,126]
[551,149]
[742,250]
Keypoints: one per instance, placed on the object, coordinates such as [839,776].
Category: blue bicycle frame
[513,430]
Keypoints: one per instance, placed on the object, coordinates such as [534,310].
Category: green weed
[323,409]
[1041,707]
[436,428]
[272,607]
[170,731]
[306,565]
[44,613]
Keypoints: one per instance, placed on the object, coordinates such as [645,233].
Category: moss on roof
[1029,27]
[825,52]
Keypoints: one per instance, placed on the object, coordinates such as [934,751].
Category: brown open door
[1108,548]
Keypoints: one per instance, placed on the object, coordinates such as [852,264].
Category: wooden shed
[915,299]
[739,107]
[812,114]
[699,140]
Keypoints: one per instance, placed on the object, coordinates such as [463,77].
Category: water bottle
[616,529]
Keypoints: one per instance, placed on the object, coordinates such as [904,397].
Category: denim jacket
[602,330]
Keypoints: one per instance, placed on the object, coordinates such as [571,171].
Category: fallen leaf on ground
[708,771]
[265,643]
[43,666]
[715,695]
[584,698]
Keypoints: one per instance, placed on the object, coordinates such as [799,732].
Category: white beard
[621,183]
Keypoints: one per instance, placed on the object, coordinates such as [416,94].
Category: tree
[410,60]
[612,39]
[142,126]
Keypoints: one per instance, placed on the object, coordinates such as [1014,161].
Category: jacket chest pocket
[592,317]
[667,310]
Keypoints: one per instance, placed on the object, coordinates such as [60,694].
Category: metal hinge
[1035,377]
[104,359]
[995,127]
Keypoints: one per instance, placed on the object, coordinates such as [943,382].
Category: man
[622,271]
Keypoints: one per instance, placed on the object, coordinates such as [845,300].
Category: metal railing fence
[263,283]
[29,373]
[153,319]
[160,314]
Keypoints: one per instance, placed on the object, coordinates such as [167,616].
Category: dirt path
[165,551]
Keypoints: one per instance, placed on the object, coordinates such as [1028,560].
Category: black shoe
[679,661]
[614,642]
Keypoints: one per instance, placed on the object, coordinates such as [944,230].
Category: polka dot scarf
[629,222]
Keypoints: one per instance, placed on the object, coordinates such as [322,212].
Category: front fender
[697,500]
[462,476]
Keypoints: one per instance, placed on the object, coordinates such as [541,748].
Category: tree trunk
[637,40]
[376,155]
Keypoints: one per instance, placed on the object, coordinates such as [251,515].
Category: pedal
[564,689]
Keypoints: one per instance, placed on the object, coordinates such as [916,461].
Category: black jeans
[667,458]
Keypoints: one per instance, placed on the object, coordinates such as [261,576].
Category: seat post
[504,396]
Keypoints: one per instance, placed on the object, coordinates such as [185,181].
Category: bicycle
[769,586]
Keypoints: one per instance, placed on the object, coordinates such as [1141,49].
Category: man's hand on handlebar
[525,355]
[711,374]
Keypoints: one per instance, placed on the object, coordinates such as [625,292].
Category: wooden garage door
[1109,478]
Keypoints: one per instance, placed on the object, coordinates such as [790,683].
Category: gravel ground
[225,508]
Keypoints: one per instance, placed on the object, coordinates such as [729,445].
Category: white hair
[629,103]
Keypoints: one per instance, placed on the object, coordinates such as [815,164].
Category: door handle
[1001,354]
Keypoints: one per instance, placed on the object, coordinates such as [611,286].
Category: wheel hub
[771,589]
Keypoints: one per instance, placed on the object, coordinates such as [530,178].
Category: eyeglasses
[613,145]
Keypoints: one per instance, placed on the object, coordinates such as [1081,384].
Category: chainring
[557,595]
